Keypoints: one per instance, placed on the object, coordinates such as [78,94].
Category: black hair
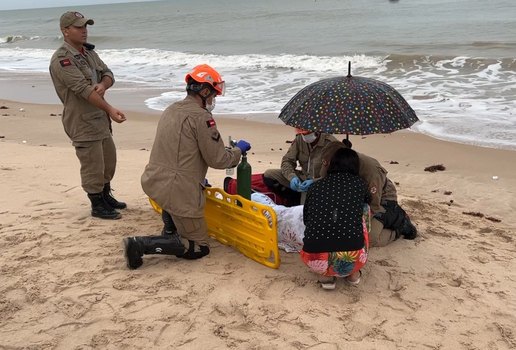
[344,160]
[194,87]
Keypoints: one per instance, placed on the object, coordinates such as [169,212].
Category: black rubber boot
[133,252]
[100,208]
[136,247]
[168,245]
[407,229]
[193,254]
[169,228]
[395,218]
[110,199]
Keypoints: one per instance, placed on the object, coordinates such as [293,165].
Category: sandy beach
[64,283]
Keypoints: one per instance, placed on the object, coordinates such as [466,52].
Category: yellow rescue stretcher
[248,226]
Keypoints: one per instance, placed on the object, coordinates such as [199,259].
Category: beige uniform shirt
[309,158]
[380,187]
[74,76]
[187,143]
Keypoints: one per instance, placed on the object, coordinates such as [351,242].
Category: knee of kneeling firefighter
[192,229]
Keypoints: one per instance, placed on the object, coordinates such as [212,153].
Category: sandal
[328,284]
[357,281]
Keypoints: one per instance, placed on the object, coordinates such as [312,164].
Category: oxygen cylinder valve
[232,143]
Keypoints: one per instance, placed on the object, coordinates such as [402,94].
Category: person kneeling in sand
[187,143]
[389,220]
[336,239]
[290,182]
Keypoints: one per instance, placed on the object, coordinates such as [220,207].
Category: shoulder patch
[61,52]
[210,123]
[215,136]
[373,190]
[65,63]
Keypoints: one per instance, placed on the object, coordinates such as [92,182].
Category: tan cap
[72,18]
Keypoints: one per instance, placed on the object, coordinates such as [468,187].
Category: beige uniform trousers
[379,236]
[193,229]
[98,163]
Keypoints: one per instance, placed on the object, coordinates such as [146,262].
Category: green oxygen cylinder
[244,178]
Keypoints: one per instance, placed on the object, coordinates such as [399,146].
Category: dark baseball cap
[73,18]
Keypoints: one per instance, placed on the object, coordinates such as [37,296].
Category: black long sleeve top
[333,214]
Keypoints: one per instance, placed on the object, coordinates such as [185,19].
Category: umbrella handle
[347,142]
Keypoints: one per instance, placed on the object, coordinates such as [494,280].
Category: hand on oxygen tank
[243,145]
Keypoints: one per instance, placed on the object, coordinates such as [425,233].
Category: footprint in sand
[38,203]
[384,262]
[71,308]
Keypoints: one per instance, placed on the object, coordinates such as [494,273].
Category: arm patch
[215,136]
[65,63]
[210,123]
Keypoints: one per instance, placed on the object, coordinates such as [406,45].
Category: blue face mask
[309,138]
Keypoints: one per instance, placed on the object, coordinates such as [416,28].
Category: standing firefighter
[81,80]
[187,143]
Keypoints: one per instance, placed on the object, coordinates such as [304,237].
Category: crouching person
[187,142]
[389,220]
[336,216]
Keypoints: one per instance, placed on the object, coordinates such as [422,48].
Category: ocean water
[453,61]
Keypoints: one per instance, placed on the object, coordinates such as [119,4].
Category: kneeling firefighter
[187,142]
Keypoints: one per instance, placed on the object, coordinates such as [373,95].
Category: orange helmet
[302,131]
[206,74]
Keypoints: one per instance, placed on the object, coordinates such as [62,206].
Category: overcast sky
[30,4]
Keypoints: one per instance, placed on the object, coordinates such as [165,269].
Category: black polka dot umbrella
[349,105]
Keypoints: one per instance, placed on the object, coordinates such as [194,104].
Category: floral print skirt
[340,264]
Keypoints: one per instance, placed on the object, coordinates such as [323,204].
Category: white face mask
[211,107]
[309,138]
